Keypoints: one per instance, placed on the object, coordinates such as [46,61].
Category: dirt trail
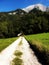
[28,55]
[7,54]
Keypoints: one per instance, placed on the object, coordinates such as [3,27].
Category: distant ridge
[40,6]
[28,9]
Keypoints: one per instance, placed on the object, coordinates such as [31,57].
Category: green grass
[40,43]
[18,53]
[39,39]
[17,60]
[6,42]
[20,43]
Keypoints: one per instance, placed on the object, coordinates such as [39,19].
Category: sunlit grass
[6,42]
[39,39]
[40,44]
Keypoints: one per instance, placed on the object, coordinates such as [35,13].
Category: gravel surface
[7,54]
[28,56]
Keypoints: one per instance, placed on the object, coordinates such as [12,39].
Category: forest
[33,22]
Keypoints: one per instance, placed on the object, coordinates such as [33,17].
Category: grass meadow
[41,40]
[6,42]
[40,44]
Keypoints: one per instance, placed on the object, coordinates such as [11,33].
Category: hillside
[19,21]
[40,44]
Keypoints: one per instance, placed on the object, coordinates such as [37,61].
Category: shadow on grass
[42,56]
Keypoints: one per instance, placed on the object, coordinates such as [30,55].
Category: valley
[24,35]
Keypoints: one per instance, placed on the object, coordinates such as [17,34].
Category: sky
[8,5]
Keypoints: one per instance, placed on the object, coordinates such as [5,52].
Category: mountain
[39,6]
[28,9]
[18,11]
[17,21]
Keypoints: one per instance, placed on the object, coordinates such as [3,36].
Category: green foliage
[35,21]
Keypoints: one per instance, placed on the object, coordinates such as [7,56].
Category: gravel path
[7,54]
[28,55]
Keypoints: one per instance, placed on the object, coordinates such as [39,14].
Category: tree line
[33,22]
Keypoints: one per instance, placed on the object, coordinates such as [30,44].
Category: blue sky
[8,5]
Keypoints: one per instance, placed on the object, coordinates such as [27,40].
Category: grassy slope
[39,39]
[40,42]
[6,42]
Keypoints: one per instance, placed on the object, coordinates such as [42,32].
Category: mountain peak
[40,6]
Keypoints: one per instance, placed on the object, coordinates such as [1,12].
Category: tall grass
[40,39]
[40,44]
